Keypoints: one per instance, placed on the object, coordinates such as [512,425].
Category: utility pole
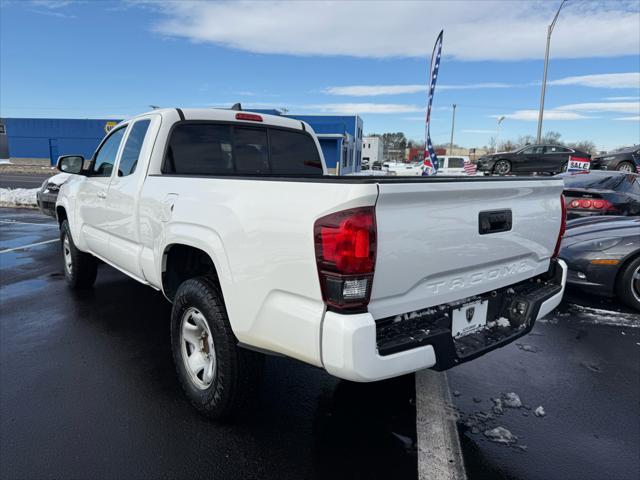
[453,124]
[544,76]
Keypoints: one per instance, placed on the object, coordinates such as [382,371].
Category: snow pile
[539,412]
[18,197]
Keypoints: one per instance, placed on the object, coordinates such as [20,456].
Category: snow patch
[501,435]
[599,316]
[501,322]
[527,348]
[18,197]
[511,400]
[539,412]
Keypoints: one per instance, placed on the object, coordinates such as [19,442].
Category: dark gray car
[603,255]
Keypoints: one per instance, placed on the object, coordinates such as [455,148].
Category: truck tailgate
[430,246]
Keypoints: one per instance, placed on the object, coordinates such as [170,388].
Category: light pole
[453,124]
[500,119]
[544,76]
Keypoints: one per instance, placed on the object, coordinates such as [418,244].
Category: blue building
[49,137]
[340,137]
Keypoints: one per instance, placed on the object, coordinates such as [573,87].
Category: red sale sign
[578,164]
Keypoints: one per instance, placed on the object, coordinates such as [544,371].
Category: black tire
[626,167]
[628,284]
[237,372]
[80,268]
[564,167]
[502,167]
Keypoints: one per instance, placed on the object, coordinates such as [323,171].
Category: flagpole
[453,124]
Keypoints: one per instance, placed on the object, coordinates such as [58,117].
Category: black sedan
[47,195]
[603,255]
[530,159]
[625,160]
[601,193]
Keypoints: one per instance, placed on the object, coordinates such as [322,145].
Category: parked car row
[530,159]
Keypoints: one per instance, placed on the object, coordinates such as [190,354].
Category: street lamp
[500,119]
[544,77]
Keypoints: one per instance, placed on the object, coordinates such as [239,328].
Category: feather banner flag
[430,157]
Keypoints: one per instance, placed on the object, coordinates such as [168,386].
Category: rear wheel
[219,377]
[80,268]
[502,167]
[625,167]
[628,285]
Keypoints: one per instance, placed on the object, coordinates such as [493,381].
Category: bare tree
[585,146]
[552,138]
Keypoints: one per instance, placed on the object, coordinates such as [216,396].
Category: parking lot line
[24,247]
[439,452]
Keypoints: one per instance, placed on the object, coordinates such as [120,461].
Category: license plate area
[468,318]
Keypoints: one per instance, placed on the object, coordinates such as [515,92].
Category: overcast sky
[112,59]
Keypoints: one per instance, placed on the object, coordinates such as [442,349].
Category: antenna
[236,106]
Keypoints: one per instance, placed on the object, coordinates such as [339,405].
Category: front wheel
[564,167]
[628,285]
[218,376]
[626,167]
[80,268]
[502,167]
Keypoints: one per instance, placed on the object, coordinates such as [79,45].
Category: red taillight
[252,117]
[345,244]
[592,204]
[563,226]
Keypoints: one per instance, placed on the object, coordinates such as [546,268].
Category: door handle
[102,195]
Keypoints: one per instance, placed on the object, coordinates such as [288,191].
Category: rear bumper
[351,346]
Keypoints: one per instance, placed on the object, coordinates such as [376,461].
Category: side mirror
[70,164]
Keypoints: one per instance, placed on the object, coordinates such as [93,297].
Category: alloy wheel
[68,259]
[635,283]
[198,350]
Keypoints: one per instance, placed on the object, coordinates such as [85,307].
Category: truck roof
[227,115]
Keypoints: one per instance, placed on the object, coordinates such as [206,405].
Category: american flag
[430,157]
[470,168]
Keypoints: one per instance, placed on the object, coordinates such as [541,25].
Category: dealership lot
[88,383]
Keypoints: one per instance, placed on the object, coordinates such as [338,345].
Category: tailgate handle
[494,221]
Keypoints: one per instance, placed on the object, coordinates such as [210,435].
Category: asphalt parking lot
[88,390]
[20,180]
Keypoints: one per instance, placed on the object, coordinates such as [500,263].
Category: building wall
[372,150]
[329,129]
[340,137]
[49,137]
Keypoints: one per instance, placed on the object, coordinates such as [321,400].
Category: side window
[528,151]
[250,150]
[106,156]
[200,149]
[456,162]
[132,147]
[293,153]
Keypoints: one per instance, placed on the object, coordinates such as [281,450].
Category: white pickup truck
[232,215]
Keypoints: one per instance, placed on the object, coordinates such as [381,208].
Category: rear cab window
[210,148]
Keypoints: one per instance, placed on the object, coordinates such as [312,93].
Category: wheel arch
[625,263]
